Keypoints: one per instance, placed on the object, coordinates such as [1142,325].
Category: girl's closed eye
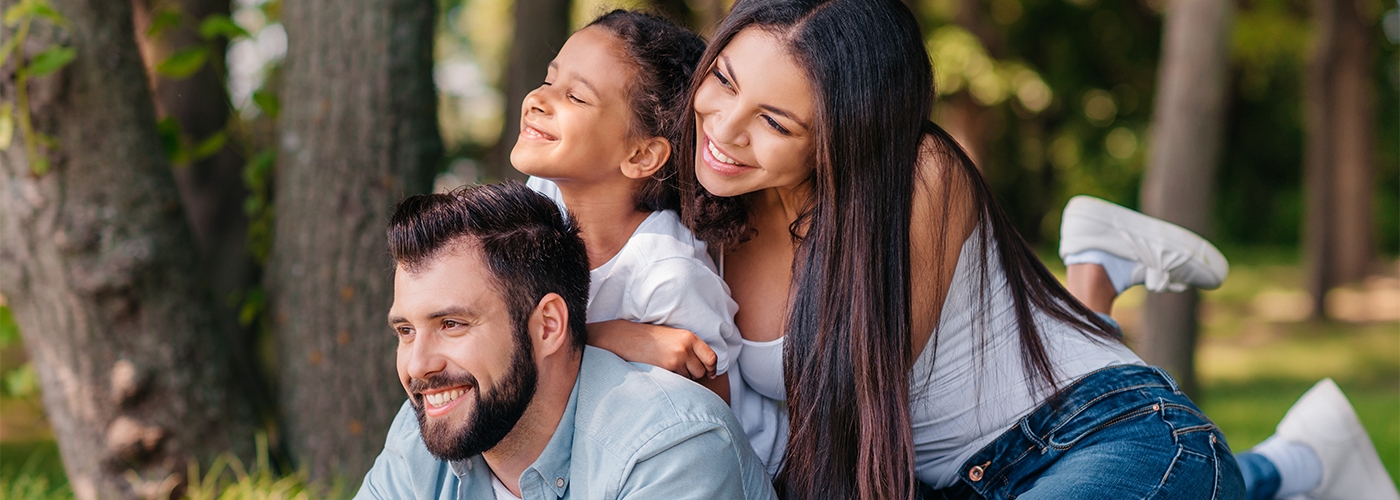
[575,98]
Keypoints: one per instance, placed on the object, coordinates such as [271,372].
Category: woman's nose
[727,129]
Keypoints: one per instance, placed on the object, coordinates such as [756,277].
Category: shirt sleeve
[695,460]
[684,293]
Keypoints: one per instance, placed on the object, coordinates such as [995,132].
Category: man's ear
[647,158]
[549,325]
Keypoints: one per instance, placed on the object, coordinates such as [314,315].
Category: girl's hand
[673,349]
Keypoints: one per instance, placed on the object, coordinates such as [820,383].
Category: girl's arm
[672,349]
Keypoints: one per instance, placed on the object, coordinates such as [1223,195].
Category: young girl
[597,136]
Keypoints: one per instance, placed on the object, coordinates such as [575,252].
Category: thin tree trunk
[1187,126]
[1355,146]
[102,275]
[359,132]
[212,189]
[1339,154]
[541,28]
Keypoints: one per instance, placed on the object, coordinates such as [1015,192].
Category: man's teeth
[720,156]
[443,398]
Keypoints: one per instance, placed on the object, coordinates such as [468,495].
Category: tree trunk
[1187,126]
[212,189]
[1339,154]
[359,132]
[101,272]
[541,28]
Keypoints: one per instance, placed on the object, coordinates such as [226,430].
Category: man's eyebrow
[440,313]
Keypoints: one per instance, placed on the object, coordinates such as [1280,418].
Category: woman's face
[754,117]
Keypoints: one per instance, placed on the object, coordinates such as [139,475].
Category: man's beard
[495,413]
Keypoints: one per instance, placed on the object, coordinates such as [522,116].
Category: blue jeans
[1261,478]
[1118,433]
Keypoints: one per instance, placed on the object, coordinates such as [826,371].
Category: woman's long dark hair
[848,354]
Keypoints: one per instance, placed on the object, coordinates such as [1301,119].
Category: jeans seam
[1170,468]
[1091,402]
[1105,425]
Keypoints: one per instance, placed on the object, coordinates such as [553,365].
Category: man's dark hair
[529,246]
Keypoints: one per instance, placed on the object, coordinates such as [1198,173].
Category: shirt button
[975,473]
[559,482]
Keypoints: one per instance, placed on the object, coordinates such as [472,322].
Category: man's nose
[424,356]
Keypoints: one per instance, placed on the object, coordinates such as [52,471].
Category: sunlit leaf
[18,11]
[184,63]
[42,9]
[7,134]
[10,46]
[219,25]
[40,166]
[267,102]
[22,382]
[162,20]
[50,60]
[208,147]
[9,331]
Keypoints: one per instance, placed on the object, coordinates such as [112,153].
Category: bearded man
[504,399]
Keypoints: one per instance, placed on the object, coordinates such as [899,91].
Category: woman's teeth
[442,398]
[720,155]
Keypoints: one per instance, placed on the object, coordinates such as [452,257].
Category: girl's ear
[649,156]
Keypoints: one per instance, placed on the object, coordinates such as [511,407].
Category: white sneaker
[1351,469]
[1169,256]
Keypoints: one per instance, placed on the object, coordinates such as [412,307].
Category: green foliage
[257,175]
[184,62]
[50,59]
[219,25]
[7,124]
[9,331]
[267,102]
[163,19]
[179,149]
[21,382]
[228,479]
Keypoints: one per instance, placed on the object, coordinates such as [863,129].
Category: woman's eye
[774,124]
[722,80]
[545,84]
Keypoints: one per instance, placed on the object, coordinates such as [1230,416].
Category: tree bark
[1339,157]
[359,132]
[1187,126]
[541,28]
[101,272]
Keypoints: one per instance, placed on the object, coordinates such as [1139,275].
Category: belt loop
[1168,377]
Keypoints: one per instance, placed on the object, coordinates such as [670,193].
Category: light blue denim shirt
[629,431]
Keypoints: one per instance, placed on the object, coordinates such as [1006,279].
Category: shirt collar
[553,463]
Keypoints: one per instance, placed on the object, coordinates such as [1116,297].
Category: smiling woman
[916,325]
